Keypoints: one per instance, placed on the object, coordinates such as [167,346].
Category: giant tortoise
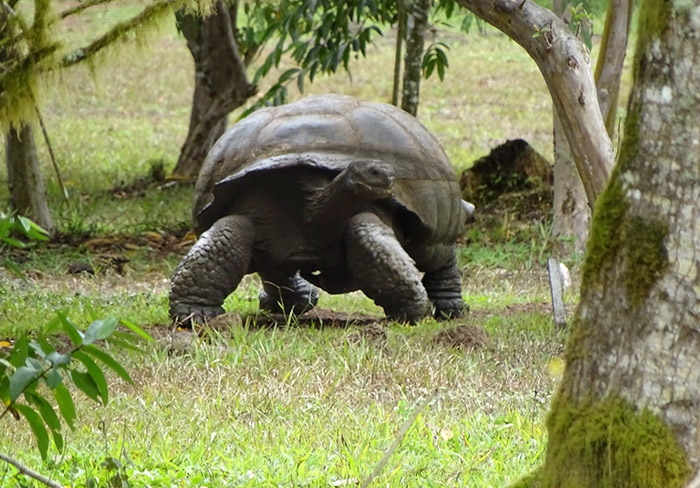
[328,192]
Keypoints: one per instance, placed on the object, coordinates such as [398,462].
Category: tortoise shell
[329,132]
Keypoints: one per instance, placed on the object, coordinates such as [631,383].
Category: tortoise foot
[186,315]
[290,296]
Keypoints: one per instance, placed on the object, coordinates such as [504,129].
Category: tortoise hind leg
[211,270]
[444,287]
[287,295]
[383,270]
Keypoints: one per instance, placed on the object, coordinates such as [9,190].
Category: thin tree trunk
[221,83]
[27,191]
[400,35]
[571,211]
[628,410]
[613,48]
[563,61]
[417,12]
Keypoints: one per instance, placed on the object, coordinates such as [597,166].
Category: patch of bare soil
[319,317]
[373,334]
[465,337]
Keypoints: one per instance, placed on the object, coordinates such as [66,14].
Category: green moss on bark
[647,257]
[604,241]
[654,17]
[610,445]
[532,480]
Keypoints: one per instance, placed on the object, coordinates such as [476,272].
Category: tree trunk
[563,61]
[400,35]
[571,211]
[416,24]
[628,410]
[221,83]
[613,48]
[27,190]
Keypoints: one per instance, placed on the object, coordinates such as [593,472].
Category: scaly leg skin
[287,295]
[444,287]
[383,269]
[211,270]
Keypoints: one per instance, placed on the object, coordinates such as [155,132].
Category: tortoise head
[370,179]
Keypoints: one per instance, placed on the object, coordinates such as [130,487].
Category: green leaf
[53,379]
[137,330]
[65,404]
[70,329]
[46,410]
[95,373]
[20,351]
[99,329]
[11,241]
[108,361]
[34,364]
[85,383]
[125,344]
[19,381]
[37,426]
[25,223]
[57,359]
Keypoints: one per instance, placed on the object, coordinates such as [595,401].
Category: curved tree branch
[563,61]
[29,472]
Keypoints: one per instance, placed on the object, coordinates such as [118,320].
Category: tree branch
[563,61]
[29,472]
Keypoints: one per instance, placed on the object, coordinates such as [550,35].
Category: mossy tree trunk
[27,191]
[628,410]
[221,83]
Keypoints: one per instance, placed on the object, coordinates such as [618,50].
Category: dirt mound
[465,337]
[511,167]
[511,188]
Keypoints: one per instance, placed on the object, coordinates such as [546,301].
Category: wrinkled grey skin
[327,192]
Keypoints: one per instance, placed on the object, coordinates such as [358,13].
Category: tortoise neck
[333,204]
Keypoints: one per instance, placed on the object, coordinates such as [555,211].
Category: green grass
[293,406]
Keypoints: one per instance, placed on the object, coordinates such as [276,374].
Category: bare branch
[563,61]
[29,472]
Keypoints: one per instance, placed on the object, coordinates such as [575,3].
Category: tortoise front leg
[444,287]
[211,270]
[288,295]
[383,270]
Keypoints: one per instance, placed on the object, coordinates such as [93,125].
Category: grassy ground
[289,406]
